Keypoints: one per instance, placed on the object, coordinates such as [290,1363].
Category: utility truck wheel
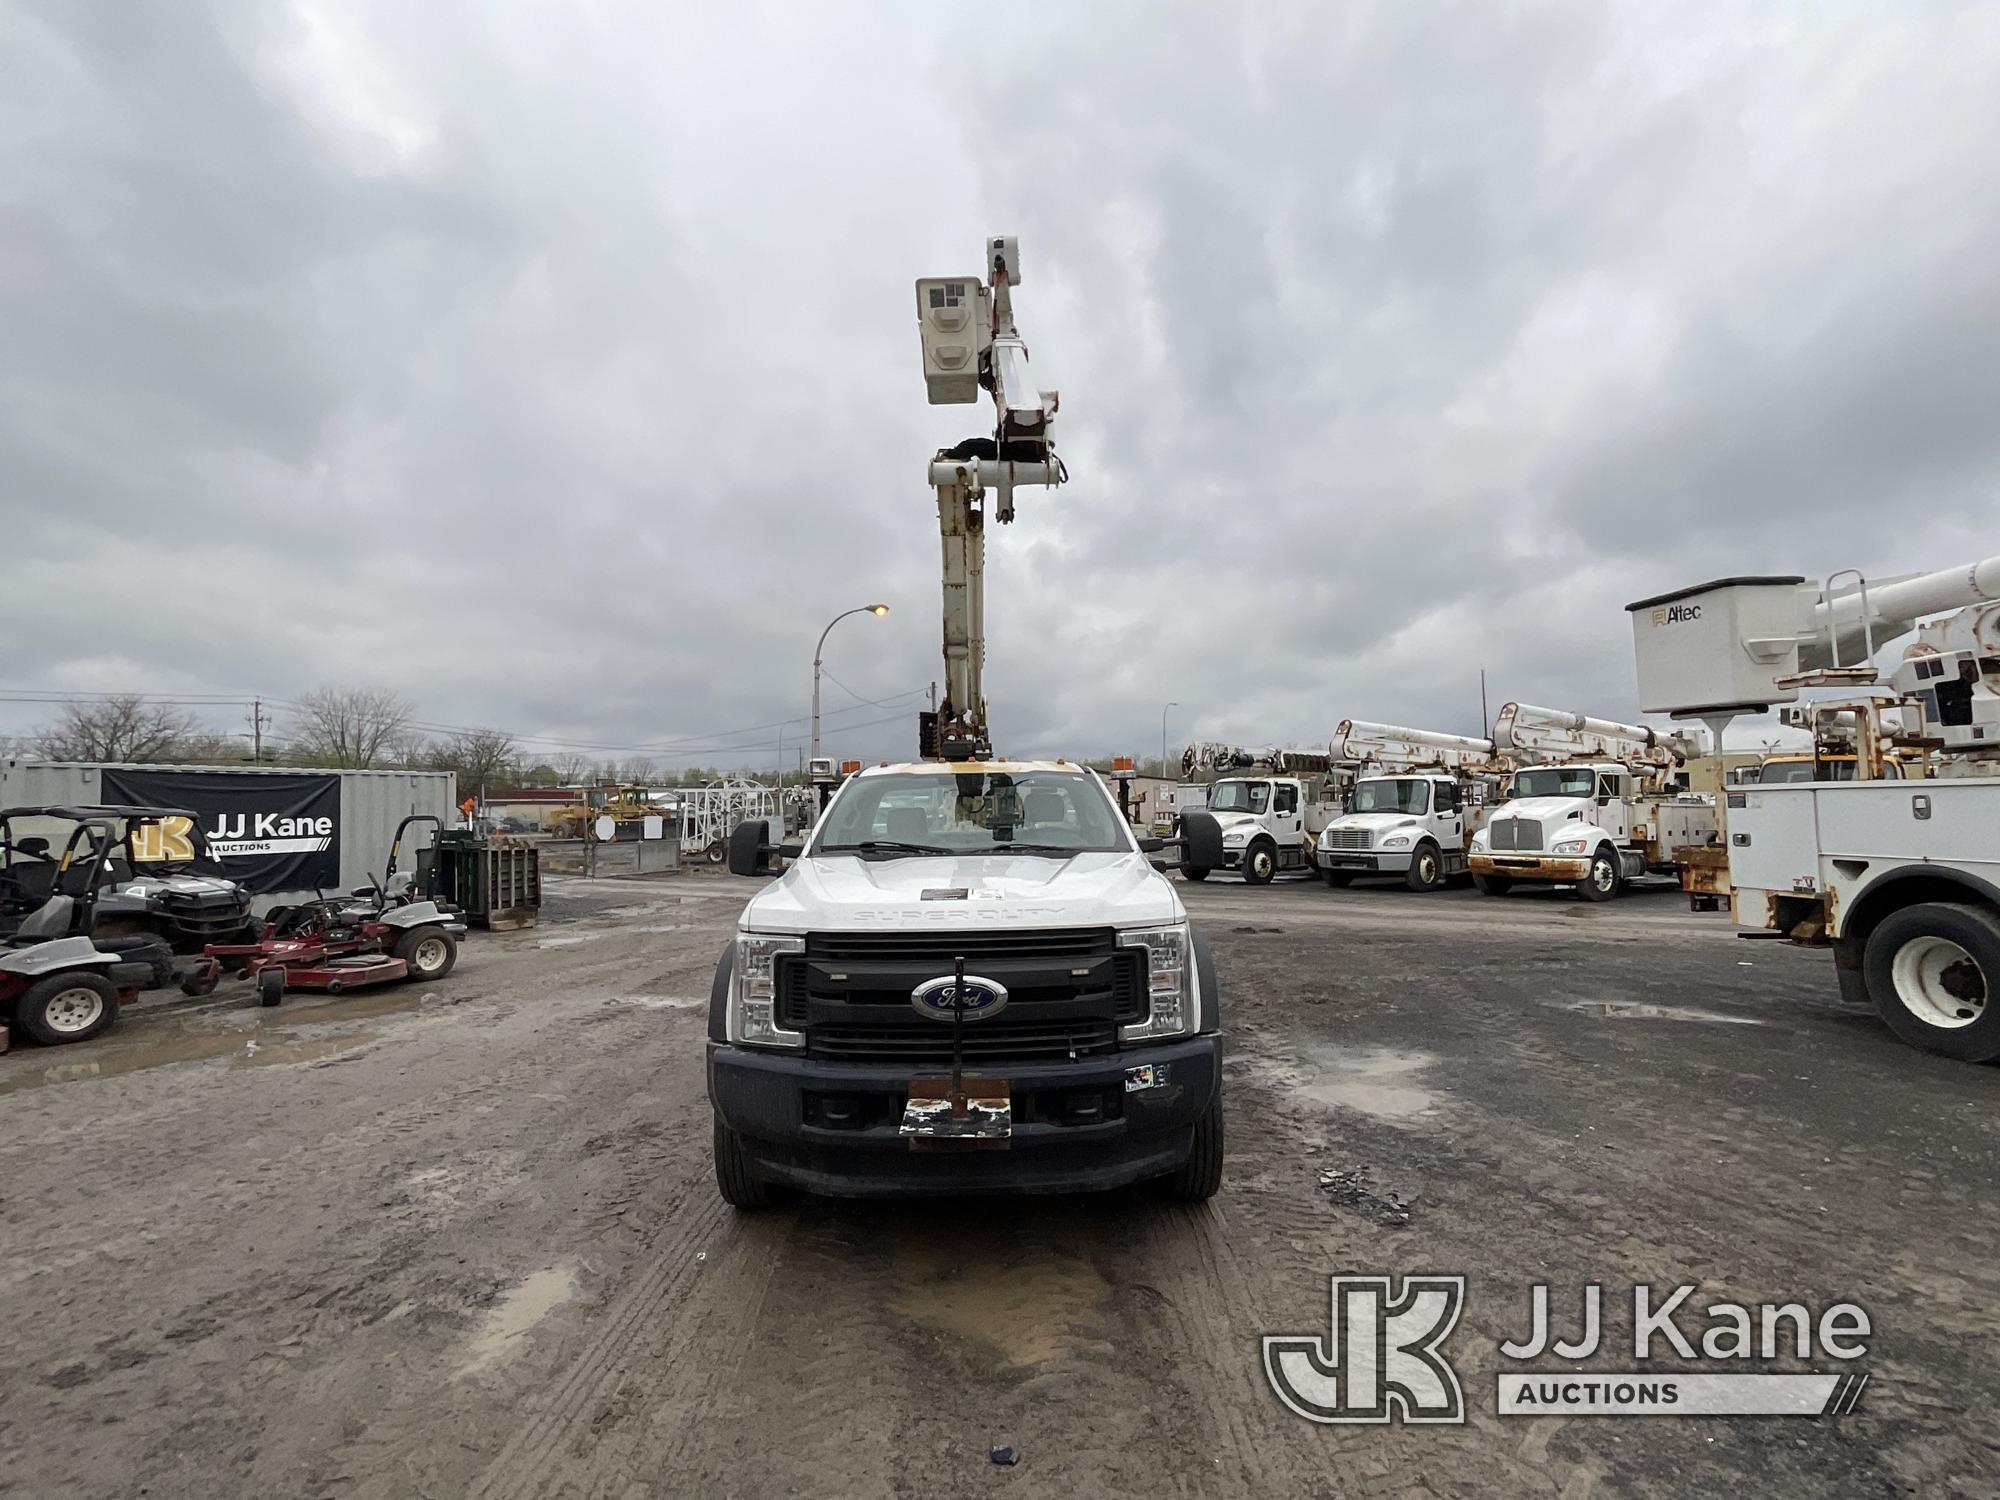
[1195,872]
[1337,879]
[271,987]
[741,1188]
[1933,972]
[1426,872]
[70,1007]
[1493,885]
[1260,863]
[429,951]
[1601,881]
[1196,1179]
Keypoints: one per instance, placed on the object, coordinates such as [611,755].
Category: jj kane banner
[271,832]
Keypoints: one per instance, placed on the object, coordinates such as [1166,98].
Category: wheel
[1260,863]
[70,1007]
[1196,1179]
[741,1187]
[271,987]
[1337,879]
[1601,881]
[1195,872]
[199,982]
[717,852]
[429,951]
[1932,971]
[1493,885]
[1426,872]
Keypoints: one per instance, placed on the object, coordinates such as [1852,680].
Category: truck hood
[845,893]
[1545,809]
[1234,820]
[1375,822]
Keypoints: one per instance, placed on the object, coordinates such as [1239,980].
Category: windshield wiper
[872,848]
[1054,851]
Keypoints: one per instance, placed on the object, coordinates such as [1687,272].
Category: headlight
[1398,841]
[1169,982]
[1235,840]
[1571,846]
[753,1019]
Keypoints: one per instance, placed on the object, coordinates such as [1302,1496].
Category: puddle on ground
[661,1002]
[253,1048]
[1032,1313]
[518,1310]
[1640,1010]
[1371,1080]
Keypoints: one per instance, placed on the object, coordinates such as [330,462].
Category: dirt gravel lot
[465,1242]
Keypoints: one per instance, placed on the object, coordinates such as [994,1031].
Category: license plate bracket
[977,1115]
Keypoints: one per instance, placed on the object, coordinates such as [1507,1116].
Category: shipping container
[284,831]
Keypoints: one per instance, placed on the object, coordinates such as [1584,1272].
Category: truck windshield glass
[1392,796]
[1239,796]
[940,812]
[1556,781]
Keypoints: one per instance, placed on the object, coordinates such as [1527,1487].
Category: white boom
[970,342]
[1553,734]
[1213,757]
[1390,746]
[1892,608]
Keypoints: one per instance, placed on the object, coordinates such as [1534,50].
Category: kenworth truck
[1608,814]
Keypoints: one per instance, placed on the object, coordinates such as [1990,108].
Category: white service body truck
[1419,798]
[1091,1015]
[1271,817]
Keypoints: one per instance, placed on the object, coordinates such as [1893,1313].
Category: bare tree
[482,757]
[639,770]
[128,727]
[347,727]
[571,767]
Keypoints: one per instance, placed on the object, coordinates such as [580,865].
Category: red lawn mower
[380,934]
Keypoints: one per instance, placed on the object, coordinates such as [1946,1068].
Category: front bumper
[833,1128]
[1556,869]
[1382,862]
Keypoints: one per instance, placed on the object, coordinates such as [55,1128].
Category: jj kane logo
[268,833]
[1382,1358]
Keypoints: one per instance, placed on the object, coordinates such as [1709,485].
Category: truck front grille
[1068,993]
[1514,833]
[1350,838]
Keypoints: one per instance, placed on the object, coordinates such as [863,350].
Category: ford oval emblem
[983,997]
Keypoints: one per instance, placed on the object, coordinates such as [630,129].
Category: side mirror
[1201,841]
[749,851]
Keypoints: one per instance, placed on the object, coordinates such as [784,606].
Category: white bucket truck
[1418,798]
[1604,808]
[1271,805]
[1900,878]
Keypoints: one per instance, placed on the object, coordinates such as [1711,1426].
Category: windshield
[1239,796]
[975,813]
[1556,781]
[1392,796]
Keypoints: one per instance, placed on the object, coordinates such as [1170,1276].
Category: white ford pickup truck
[970,979]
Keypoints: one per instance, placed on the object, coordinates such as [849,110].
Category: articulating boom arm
[968,326]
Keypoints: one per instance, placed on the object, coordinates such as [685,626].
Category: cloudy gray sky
[556,366]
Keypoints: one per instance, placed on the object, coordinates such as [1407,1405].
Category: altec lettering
[269,826]
[1677,614]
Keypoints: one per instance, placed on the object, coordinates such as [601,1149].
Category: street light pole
[877,610]
[1163,741]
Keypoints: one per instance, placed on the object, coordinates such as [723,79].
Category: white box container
[1717,646]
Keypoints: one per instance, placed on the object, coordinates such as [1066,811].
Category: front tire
[429,951]
[63,1008]
[1932,972]
[1601,881]
[1197,1179]
[1426,872]
[1194,872]
[741,1187]
[271,987]
[1260,863]
[1493,885]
